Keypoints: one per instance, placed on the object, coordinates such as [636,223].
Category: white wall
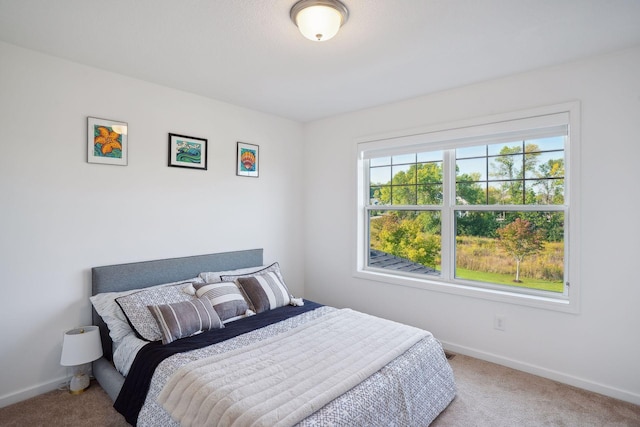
[597,349]
[60,216]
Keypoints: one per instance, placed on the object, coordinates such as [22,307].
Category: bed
[279,362]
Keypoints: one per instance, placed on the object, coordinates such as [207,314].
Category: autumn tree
[520,239]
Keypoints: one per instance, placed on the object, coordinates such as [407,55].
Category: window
[481,208]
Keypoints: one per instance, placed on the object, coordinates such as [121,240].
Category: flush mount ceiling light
[319,20]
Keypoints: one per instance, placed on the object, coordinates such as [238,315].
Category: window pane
[405,241]
[506,167]
[547,144]
[403,195]
[504,148]
[471,170]
[404,174]
[548,191]
[380,175]
[430,194]
[506,193]
[380,161]
[380,195]
[523,249]
[547,165]
[403,159]
[431,156]
[429,172]
[471,193]
[464,153]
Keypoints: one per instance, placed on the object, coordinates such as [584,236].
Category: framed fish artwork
[187,152]
[107,141]
[247,160]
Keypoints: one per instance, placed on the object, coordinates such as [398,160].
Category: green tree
[510,168]
[519,239]
[476,223]
[420,184]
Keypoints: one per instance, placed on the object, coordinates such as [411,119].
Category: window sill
[549,303]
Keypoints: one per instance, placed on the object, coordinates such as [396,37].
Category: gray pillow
[184,319]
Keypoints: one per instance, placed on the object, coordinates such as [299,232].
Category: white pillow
[112,315]
[214,276]
[272,268]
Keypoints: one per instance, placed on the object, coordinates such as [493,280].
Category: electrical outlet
[499,322]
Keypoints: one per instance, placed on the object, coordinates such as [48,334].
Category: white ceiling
[249,53]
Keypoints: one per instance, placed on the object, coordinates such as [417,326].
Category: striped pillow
[186,318]
[225,298]
[265,291]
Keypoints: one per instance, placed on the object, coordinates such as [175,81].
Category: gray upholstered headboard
[123,277]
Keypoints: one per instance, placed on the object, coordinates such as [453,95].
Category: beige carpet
[492,395]
[488,395]
[59,408]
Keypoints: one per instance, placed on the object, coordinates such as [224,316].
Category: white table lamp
[80,347]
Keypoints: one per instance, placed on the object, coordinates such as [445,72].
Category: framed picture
[247,160]
[187,152]
[106,141]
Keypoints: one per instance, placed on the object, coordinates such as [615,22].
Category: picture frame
[247,160]
[187,152]
[107,141]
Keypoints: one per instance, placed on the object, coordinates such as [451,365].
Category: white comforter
[284,379]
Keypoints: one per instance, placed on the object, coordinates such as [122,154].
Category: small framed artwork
[247,160]
[187,152]
[107,141]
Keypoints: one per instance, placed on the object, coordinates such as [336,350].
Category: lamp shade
[319,20]
[81,345]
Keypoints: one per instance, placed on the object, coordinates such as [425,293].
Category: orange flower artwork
[107,140]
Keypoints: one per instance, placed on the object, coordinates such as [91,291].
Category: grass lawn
[507,279]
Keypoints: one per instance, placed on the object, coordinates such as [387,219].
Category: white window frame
[496,128]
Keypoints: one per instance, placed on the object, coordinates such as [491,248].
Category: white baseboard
[24,394]
[595,387]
